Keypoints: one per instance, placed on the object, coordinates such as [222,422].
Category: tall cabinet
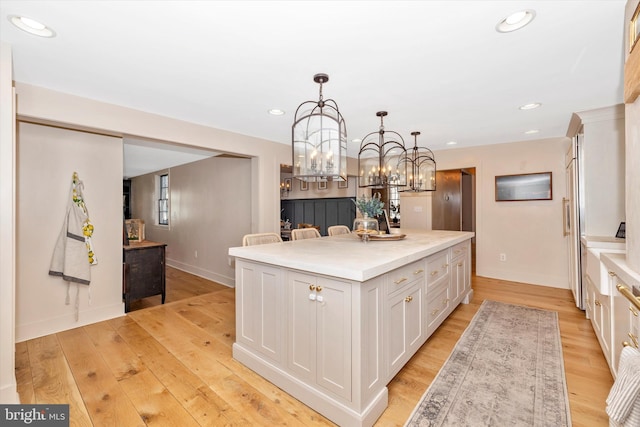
[594,201]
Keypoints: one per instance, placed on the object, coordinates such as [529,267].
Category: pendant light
[422,167]
[379,162]
[319,136]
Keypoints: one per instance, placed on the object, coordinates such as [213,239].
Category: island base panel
[315,399]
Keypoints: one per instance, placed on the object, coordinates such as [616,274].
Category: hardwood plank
[105,400]
[23,374]
[52,379]
[149,396]
[201,402]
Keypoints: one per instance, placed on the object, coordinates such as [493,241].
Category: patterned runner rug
[506,370]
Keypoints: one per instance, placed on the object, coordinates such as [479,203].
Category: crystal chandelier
[422,165]
[319,137]
[379,162]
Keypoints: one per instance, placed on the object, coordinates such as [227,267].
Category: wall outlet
[503,257]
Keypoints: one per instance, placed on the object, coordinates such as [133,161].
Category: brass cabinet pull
[634,339]
[433,273]
[319,288]
[445,265]
[418,271]
[612,274]
[434,312]
[312,288]
[598,303]
[408,299]
[457,251]
[459,264]
[633,311]
[629,295]
[397,282]
[627,344]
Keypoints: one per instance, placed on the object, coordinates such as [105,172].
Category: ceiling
[438,67]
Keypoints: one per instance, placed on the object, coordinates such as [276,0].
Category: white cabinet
[460,270]
[319,331]
[259,314]
[626,321]
[598,308]
[404,330]
[438,290]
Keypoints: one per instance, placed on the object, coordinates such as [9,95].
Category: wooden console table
[143,271]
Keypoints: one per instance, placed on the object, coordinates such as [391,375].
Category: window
[163,201]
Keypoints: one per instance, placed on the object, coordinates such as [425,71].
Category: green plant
[370,207]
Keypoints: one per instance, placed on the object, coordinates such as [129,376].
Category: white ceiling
[438,67]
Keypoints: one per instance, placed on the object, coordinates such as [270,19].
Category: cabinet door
[404,328]
[259,317]
[333,336]
[301,305]
[146,271]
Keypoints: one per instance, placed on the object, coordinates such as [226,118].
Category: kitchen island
[332,320]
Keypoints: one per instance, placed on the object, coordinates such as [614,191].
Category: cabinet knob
[459,264]
[312,288]
[598,303]
[397,282]
[612,274]
[319,288]
[408,299]
[445,265]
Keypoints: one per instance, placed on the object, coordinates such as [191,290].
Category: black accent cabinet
[143,271]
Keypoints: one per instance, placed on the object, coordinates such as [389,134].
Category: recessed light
[532,131]
[276,112]
[530,106]
[452,143]
[515,21]
[31,26]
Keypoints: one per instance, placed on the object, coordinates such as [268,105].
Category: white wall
[47,158]
[529,233]
[8,391]
[48,106]
[207,216]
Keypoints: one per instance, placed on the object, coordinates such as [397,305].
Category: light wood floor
[171,365]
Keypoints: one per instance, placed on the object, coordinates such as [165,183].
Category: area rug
[506,370]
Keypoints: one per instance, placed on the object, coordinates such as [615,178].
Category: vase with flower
[369,207]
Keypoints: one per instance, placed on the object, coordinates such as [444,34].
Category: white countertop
[347,257]
[617,262]
[603,242]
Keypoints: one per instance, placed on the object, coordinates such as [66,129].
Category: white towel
[73,253]
[623,403]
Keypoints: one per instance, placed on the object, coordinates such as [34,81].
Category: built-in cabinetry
[319,331]
[334,342]
[612,303]
[404,331]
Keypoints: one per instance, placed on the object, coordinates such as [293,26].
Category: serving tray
[386,236]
